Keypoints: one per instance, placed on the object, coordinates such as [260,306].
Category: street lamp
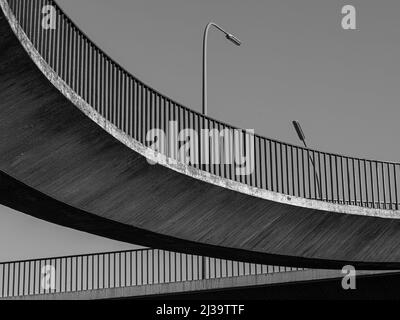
[228,36]
[302,138]
[235,41]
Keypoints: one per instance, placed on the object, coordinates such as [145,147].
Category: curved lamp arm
[231,38]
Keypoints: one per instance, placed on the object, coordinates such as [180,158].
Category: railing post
[203,268]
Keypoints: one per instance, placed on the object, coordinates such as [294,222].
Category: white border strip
[178,167]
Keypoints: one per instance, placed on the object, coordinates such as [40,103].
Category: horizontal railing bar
[84,255]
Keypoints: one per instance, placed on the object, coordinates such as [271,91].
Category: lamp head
[234,39]
[299,131]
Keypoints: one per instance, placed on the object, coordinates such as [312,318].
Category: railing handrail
[80,255]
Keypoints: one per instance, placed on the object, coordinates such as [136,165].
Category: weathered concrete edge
[154,156]
[199,285]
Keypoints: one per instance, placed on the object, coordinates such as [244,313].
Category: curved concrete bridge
[73,151]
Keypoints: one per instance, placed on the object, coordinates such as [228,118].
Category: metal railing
[135,109]
[116,270]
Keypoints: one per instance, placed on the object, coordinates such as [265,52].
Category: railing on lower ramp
[117,270]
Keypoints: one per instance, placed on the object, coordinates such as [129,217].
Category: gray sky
[24,237]
[296,63]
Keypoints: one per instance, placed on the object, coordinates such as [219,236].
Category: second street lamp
[231,38]
[302,138]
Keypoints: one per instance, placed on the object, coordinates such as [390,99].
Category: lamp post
[302,138]
[231,38]
[235,41]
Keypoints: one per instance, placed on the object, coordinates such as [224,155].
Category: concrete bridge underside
[58,165]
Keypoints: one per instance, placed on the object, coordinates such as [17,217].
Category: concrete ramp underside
[58,165]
